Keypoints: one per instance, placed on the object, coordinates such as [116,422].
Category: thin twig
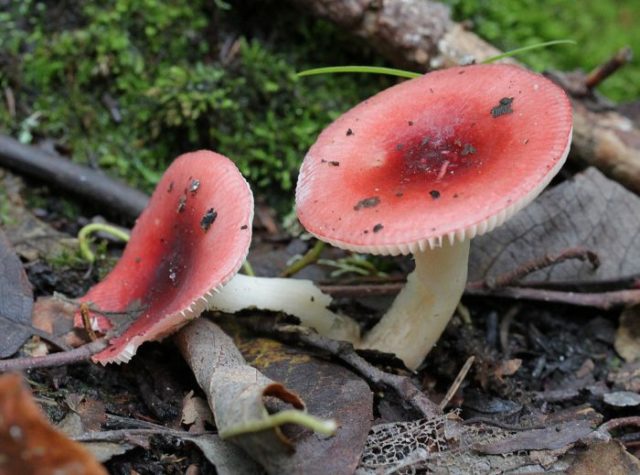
[602,72]
[457,382]
[620,422]
[402,385]
[77,355]
[523,270]
[601,300]
[123,434]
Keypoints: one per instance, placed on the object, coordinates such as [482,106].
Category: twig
[457,382]
[602,72]
[123,434]
[620,422]
[531,266]
[109,194]
[601,300]
[402,385]
[77,355]
[505,325]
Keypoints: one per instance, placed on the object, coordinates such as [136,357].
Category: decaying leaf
[589,210]
[607,457]
[627,377]
[16,301]
[28,443]
[627,342]
[329,391]
[236,393]
[195,412]
[622,399]
[551,438]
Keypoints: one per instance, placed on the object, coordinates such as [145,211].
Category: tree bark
[420,35]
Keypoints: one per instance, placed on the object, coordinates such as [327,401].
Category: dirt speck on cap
[367,203]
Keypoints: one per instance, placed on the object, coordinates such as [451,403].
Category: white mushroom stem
[297,297]
[421,311]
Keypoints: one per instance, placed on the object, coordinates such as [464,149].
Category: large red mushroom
[190,240]
[422,168]
[183,254]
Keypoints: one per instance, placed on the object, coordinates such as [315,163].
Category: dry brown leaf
[236,392]
[589,210]
[29,444]
[627,342]
[16,300]
[605,458]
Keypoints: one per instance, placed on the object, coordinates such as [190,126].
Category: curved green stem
[290,416]
[310,257]
[86,231]
[524,49]
[360,69]
[248,268]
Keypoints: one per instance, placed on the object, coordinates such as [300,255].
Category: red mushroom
[186,245]
[190,240]
[422,168]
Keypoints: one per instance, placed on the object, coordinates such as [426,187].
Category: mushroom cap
[451,154]
[189,241]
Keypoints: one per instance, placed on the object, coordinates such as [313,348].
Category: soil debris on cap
[349,132]
[378,227]
[503,107]
[367,203]
[468,149]
[193,187]
[182,203]
[170,188]
[435,194]
[333,163]
[208,219]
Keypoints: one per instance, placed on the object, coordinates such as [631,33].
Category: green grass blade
[524,49]
[360,69]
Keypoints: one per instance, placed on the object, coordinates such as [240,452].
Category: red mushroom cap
[190,240]
[451,154]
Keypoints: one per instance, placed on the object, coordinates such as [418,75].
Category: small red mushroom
[425,166]
[190,240]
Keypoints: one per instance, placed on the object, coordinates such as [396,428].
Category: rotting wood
[420,35]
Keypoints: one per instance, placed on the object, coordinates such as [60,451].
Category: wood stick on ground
[402,385]
[96,187]
[77,355]
[457,382]
[420,35]
[548,260]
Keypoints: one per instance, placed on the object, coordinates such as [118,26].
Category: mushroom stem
[424,306]
[298,297]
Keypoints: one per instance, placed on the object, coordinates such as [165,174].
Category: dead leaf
[627,342]
[507,368]
[195,412]
[228,459]
[622,399]
[73,426]
[16,301]
[626,377]
[550,438]
[236,392]
[609,457]
[55,316]
[589,210]
[329,391]
[28,443]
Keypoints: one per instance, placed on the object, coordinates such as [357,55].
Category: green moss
[599,27]
[128,85]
